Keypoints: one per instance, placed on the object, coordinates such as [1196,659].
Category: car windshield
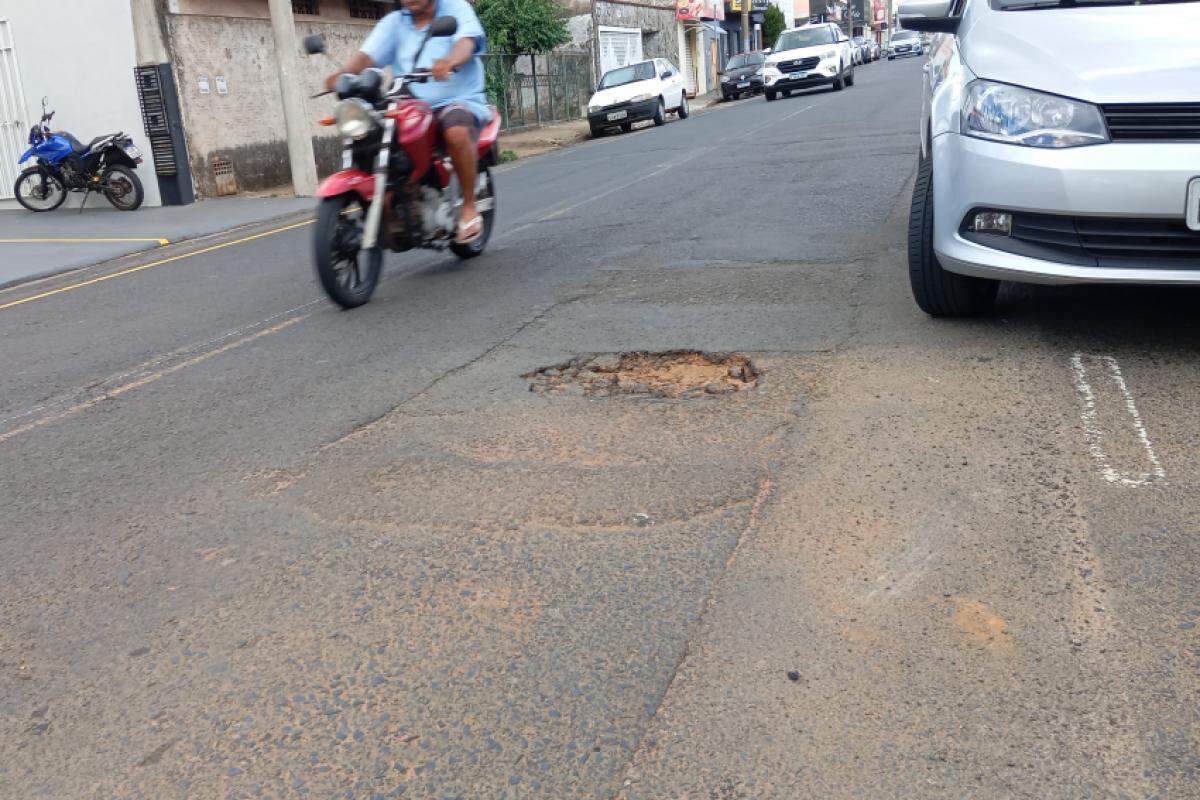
[623,75]
[1030,5]
[803,37]
[744,60]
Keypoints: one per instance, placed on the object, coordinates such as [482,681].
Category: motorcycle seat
[487,136]
[78,147]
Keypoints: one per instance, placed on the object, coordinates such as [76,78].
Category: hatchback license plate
[616,115]
[1192,209]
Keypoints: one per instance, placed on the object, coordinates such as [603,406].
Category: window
[365,9]
[310,7]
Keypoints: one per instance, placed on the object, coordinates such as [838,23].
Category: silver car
[1060,143]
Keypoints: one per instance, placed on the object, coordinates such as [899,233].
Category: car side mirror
[668,73]
[314,43]
[443,26]
[928,16]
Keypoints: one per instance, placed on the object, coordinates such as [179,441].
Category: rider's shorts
[455,115]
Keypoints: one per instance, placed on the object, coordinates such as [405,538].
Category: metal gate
[619,46]
[687,62]
[13,125]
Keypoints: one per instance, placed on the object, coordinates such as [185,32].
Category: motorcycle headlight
[1010,114]
[354,118]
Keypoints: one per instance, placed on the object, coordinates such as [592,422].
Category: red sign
[878,11]
[699,9]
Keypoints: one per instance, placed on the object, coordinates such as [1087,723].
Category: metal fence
[536,89]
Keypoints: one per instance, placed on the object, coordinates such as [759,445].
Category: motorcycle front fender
[348,180]
[28,154]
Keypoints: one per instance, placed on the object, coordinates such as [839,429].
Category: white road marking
[1094,434]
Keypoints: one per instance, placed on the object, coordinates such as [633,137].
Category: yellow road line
[149,378]
[152,264]
[78,240]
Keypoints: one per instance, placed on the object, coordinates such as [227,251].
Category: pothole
[677,373]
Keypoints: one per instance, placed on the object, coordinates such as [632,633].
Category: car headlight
[640,98]
[595,106]
[354,118]
[1010,114]
[758,72]
[725,79]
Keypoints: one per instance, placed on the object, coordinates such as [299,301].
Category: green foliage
[507,156]
[773,25]
[523,26]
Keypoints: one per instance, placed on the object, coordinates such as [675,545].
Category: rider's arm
[357,63]
[462,52]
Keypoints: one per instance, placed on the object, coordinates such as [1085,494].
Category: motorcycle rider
[460,106]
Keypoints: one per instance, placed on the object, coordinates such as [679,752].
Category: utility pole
[295,116]
[745,26]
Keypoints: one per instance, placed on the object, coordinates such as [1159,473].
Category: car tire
[787,92]
[891,58]
[660,113]
[938,292]
[839,82]
[684,111]
[626,127]
[597,131]
[770,96]
[850,77]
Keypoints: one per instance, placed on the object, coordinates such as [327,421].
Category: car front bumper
[1118,181]
[734,87]
[634,112]
[808,80]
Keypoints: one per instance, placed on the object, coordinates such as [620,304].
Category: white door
[672,84]
[619,46]
[688,63]
[13,126]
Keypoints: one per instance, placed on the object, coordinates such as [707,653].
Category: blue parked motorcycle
[105,165]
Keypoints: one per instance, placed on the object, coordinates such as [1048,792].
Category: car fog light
[992,222]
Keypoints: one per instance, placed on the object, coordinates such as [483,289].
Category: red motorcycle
[397,189]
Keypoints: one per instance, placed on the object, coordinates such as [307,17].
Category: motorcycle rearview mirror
[314,43]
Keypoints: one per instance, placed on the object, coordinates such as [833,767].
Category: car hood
[619,94]
[800,52]
[741,73]
[1114,54]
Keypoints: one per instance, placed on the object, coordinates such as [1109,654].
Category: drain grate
[677,373]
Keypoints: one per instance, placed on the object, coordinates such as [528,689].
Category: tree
[522,26]
[773,25]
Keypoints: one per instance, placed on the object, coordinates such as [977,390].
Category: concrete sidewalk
[36,245]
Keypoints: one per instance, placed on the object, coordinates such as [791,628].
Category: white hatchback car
[812,55]
[645,90]
[1060,143]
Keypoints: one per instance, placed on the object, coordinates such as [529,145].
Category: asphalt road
[256,546]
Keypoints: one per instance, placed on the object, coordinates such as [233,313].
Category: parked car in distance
[1060,144]
[862,46]
[809,56]
[742,75]
[905,43]
[876,49]
[645,90]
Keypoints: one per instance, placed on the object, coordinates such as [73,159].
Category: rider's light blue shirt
[394,43]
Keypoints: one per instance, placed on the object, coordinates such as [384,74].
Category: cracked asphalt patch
[686,374]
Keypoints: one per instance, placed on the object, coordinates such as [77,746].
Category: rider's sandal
[465,234]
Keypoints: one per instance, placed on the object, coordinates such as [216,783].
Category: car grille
[797,64]
[1099,241]
[1153,122]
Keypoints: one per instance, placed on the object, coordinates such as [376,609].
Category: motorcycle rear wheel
[122,188]
[347,275]
[28,187]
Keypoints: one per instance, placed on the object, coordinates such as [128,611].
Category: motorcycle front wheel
[347,275]
[485,199]
[39,191]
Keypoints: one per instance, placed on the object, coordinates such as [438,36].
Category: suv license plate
[743,84]
[1192,209]
[616,115]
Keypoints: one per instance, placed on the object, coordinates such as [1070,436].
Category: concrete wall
[91,87]
[232,39]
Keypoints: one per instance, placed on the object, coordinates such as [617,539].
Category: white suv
[1060,143]
[814,55]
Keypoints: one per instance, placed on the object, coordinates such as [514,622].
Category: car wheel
[660,113]
[597,131]
[938,292]
[683,111]
[839,82]
[770,96]
[850,77]
[787,92]
[626,126]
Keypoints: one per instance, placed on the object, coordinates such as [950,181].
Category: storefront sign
[699,9]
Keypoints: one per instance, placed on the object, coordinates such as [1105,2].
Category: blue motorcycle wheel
[38,190]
